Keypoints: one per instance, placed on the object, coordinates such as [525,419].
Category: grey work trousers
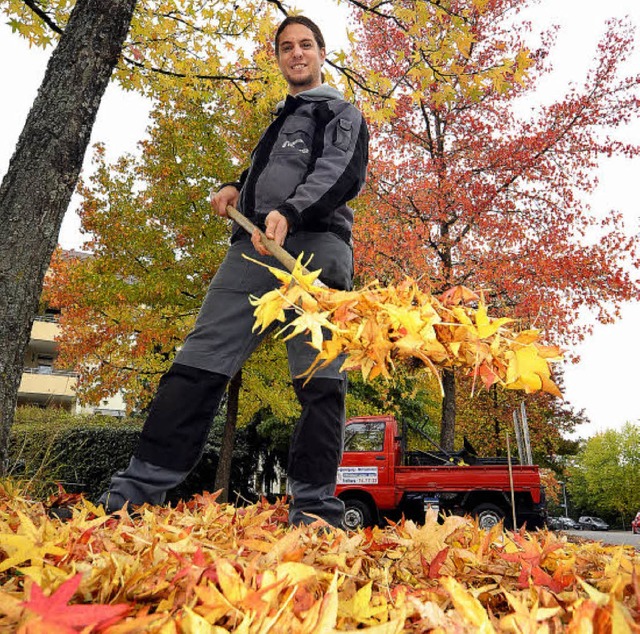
[215,350]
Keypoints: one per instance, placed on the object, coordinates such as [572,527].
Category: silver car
[590,523]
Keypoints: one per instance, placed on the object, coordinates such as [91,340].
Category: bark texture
[223,471]
[43,173]
[448,422]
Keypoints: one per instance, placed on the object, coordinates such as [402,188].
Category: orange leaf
[436,563]
[458,295]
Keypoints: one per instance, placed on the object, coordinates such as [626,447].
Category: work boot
[311,503]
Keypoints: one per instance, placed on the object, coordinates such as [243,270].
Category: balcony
[45,386]
[44,332]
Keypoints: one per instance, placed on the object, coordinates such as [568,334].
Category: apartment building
[43,383]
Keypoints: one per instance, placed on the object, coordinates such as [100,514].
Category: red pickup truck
[379,478]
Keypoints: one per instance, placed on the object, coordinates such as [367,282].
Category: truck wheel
[357,514]
[488,515]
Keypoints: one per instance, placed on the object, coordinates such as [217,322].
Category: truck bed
[441,459]
[468,478]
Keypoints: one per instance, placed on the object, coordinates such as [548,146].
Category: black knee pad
[316,445]
[180,417]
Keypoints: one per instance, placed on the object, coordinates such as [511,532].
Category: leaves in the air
[377,326]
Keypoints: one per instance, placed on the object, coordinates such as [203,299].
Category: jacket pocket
[342,138]
[295,138]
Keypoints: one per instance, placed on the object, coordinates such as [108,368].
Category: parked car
[568,524]
[552,523]
[635,524]
[562,524]
[589,523]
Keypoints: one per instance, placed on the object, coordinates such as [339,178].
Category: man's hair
[300,19]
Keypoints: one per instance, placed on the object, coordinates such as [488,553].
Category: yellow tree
[168,41]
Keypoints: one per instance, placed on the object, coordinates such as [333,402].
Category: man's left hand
[276,229]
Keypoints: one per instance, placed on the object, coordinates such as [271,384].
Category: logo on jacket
[296,146]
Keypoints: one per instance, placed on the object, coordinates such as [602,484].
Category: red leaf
[542,578]
[523,579]
[55,610]
[436,563]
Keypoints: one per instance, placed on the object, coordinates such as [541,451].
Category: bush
[82,452]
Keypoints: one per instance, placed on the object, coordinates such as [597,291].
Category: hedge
[82,452]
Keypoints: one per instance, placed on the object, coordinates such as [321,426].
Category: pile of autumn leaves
[209,567]
[377,327]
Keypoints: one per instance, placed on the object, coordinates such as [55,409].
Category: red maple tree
[466,189]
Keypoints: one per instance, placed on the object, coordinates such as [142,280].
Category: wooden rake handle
[285,258]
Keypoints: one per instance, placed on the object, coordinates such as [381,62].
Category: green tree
[484,416]
[605,476]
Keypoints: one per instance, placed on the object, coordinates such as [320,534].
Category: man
[307,165]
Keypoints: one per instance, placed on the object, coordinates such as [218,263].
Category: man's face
[299,58]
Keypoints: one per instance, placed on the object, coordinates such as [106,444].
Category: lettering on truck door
[364,461]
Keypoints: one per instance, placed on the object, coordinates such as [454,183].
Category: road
[609,537]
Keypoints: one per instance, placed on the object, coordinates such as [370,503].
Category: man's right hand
[219,200]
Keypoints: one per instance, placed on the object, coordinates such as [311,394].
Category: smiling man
[309,163]
[300,57]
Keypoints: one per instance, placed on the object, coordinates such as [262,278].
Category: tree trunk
[223,472]
[448,422]
[43,173]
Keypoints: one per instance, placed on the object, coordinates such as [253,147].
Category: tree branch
[280,6]
[33,5]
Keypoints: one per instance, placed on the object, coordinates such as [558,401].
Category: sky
[603,383]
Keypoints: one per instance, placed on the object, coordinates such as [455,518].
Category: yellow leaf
[358,607]
[269,308]
[10,605]
[527,369]
[30,547]
[309,322]
[469,607]
[488,327]
[621,620]
[193,623]
[328,609]
[232,585]
[214,604]
[44,575]
[527,336]
[461,315]
[601,598]
[269,586]
[294,572]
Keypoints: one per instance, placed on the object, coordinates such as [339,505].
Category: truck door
[365,460]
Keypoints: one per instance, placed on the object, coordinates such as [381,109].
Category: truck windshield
[364,436]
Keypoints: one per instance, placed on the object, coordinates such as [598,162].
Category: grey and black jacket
[308,164]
